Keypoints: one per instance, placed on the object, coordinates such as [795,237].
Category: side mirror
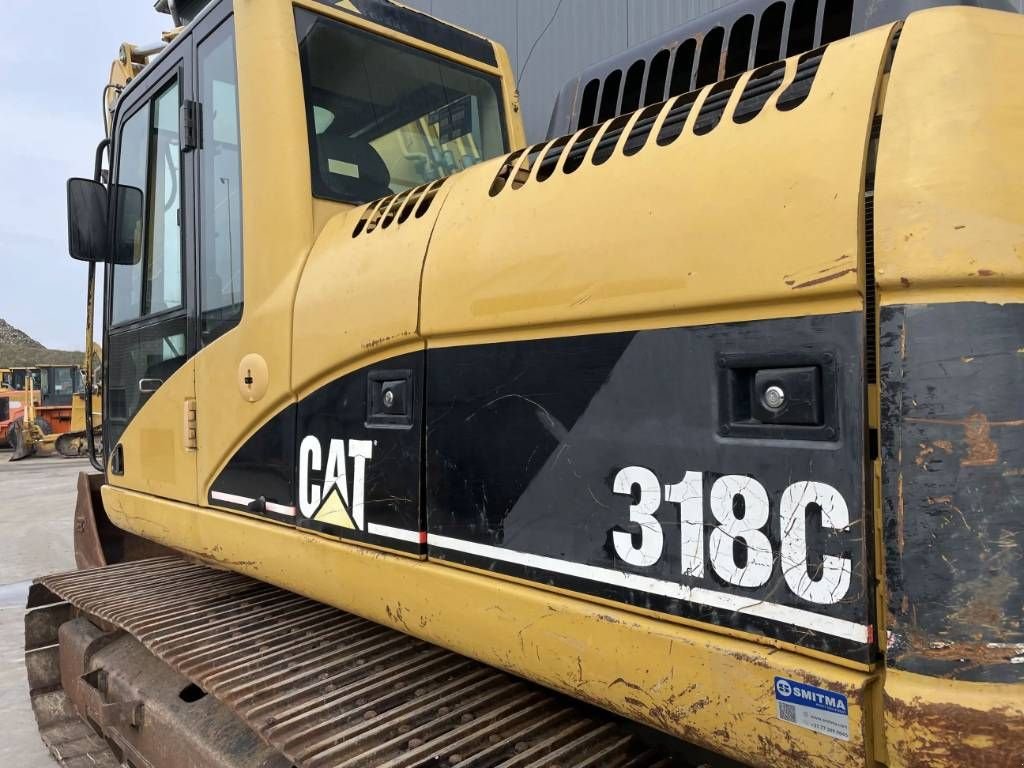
[87,220]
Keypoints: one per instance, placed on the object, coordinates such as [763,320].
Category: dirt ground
[37,503]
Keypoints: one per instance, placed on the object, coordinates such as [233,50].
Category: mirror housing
[87,220]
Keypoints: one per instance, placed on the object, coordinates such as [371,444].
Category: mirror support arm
[104,146]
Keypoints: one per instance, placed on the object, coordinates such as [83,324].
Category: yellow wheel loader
[692,434]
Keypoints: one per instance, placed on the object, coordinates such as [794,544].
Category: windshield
[385,117]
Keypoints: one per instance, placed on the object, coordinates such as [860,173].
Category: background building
[549,41]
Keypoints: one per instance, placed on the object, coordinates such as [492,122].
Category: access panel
[711,473]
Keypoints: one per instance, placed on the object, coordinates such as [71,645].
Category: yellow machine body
[756,221]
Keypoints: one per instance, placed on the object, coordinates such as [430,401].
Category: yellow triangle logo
[346,5]
[332,510]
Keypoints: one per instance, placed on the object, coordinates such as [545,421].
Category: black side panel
[259,477]
[630,466]
[952,388]
[376,496]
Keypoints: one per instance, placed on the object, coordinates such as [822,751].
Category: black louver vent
[759,88]
[397,208]
[782,29]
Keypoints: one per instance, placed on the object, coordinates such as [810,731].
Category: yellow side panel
[359,295]
[710,689]
[753,220]
[155,459]
[949,195]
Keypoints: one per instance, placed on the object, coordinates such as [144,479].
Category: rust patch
[904,282]
[977,654]
[945,734]
[985,273]
[382,340]
[982,450]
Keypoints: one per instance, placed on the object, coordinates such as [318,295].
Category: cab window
[385,117]
[149,159]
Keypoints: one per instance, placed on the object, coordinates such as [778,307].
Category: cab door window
[162,286]
[220,186]
[149,159]
[126,278]
[146,338]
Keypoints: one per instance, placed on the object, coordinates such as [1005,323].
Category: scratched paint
[952,430]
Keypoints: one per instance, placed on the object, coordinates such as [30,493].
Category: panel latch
[190,424]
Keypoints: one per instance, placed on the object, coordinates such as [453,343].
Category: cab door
[148,374]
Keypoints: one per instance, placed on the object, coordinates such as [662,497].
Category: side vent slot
[501,177]
[710,57]
[676,118]
[610,96]
[837,21]
[762,84]
[713,108]
[657,77]
[801,26]
[769,34]
[428,197]
[550,161]
[798,91]
[609,139]
[381,207]
[367,213]
[578,150]
[410,203]
[682,68]
[588,104]
[633,87]
[737,53]
[641,129]
[522,173]
[392,211]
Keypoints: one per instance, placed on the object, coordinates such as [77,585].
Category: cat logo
[330,503]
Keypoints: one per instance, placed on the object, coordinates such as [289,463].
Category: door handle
[148,386]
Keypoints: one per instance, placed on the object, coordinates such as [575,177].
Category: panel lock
[778,396]
[389,399]
[787,396]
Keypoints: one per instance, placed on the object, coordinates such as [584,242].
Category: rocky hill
[18,348]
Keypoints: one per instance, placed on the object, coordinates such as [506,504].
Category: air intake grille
[639,125]
[782,29]
[397,208]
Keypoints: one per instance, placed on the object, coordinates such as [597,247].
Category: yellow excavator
[691,434]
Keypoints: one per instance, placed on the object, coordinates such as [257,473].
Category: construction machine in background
[696,425]
[46,412]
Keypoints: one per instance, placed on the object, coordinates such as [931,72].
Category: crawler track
[322,687]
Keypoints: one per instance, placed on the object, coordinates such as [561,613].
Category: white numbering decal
[741,509]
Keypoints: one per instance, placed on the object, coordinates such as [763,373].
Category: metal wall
[564,37]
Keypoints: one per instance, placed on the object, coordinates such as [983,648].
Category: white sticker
[813,708]
[342,168]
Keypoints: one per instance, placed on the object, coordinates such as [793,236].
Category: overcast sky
[54,62]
